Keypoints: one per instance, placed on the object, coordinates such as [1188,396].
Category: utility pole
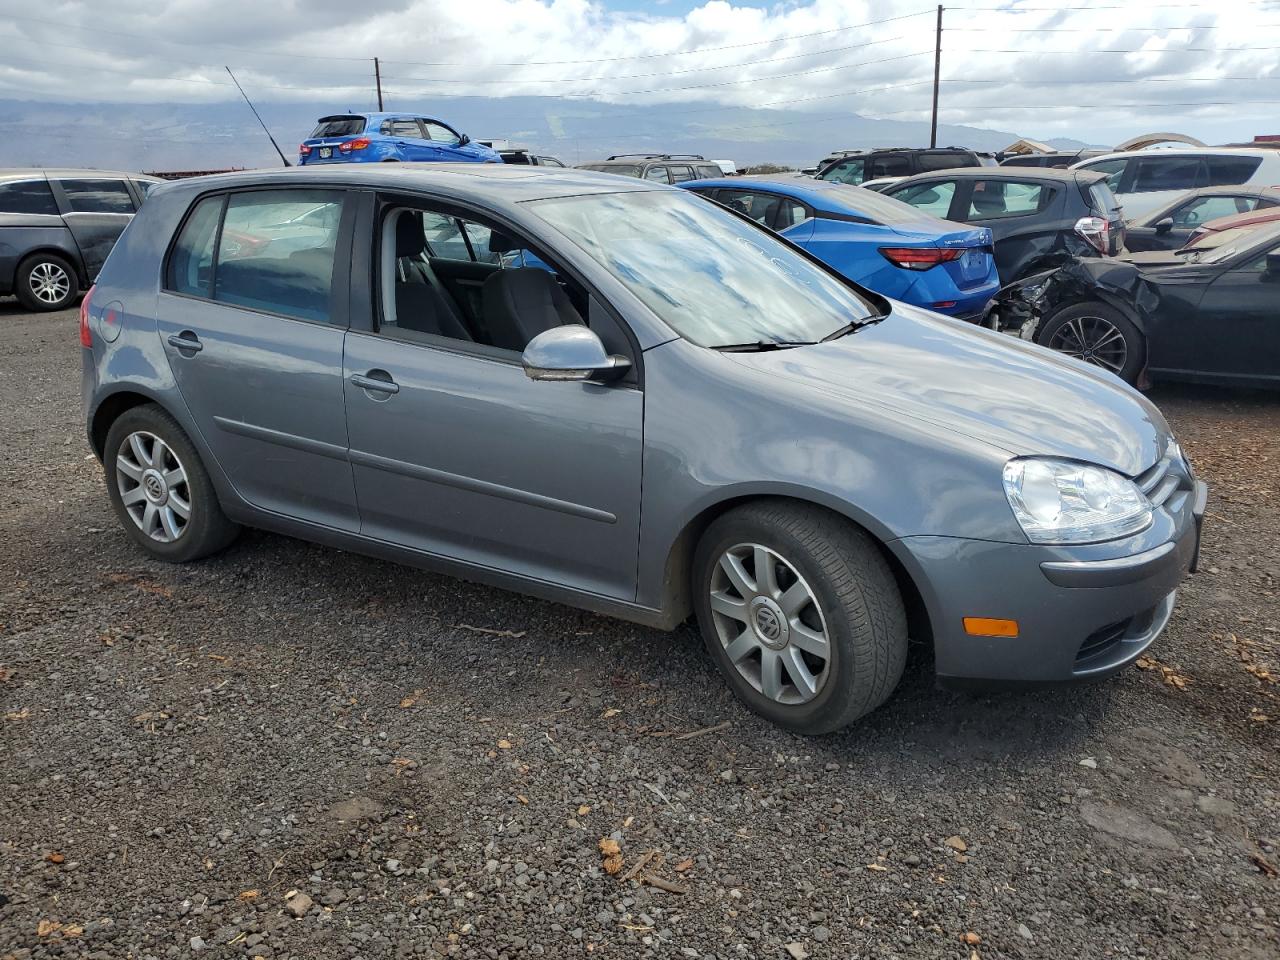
[377,78]
[937,70]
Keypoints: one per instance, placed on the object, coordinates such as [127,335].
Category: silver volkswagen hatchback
[613,394]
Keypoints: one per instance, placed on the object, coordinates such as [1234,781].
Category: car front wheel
[46,282]
[160,490]
[801,613]
[1096,333]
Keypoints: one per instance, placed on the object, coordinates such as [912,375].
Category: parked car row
[675,409]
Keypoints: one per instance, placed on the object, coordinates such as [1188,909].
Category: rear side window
[889,165]
[945,161]
[1229,171]
[1168,173]
[191,262]
[97,196]
[402,128]
[276,252]
[338,127]
[1114,169]
[992,199]
[681,173]
[657,174]
[27,196]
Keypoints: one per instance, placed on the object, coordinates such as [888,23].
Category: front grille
[1100,641]
[1161,481]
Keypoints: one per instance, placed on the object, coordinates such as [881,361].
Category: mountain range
[210,136]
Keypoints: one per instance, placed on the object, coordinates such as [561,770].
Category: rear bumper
[1082,612]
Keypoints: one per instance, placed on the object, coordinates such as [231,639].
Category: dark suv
[658,167]
[57,227]
[858,166]
[1039,216]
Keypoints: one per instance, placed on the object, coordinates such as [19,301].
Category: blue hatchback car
[376,137]
[881,243]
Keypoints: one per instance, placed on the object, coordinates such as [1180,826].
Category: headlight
[1060,501]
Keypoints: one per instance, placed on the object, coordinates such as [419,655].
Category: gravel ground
[289,751]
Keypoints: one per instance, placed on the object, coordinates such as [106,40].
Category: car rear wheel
[46,282]
[160,489]
[801,613]
[1097,334]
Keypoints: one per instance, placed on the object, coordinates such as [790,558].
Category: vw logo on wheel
[767,623]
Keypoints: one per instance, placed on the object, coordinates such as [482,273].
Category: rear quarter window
[946,161]
[190,269]
[1101,200]
[27,196]
[1229,171]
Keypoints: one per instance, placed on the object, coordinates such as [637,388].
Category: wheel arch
[677,600]
[1115,303]
[110,408]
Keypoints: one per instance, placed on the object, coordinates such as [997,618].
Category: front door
[253,331]
[96,211]
[1236,330]
[456,452]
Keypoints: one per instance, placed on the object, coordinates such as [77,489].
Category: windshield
[712,277]
[338,127]
[1216,247]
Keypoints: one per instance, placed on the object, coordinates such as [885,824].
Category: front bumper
[1083,612]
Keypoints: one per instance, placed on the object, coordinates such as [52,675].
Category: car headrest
[523,302]
[501,243]
[410,241]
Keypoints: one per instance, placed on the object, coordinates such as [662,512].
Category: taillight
[920,258]
[86,336]
[304,150]
[357,144]
[1095,231]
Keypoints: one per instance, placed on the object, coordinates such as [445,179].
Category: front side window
[439,133]
[889,165]
[715,280]
[550,162]
[845,171]
[97,196]
[27,196]
[1113,169]
[1203,209]
[1168,173]
[933,198]
[992,199]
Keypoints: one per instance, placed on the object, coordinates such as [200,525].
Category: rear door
[1024,217]
[410,139]
[252,317]
[96,211]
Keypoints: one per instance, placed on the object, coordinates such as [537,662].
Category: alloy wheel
[1094,340]
[49,282]
[769,622]
[153,486]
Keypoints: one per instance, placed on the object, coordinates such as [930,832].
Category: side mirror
[571,352]
[1164,225]
[463,139]
[1273,263]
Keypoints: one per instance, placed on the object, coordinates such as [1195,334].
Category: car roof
[511,183]
[1218,224]
[1185,152]
[26,173]
[1055,174]
[820,194]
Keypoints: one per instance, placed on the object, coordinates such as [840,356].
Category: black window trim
[59,209]
[340,285]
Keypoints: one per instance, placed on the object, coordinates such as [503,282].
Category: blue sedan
[885,245]
[376,137]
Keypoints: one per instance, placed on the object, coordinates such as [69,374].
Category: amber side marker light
[990,627]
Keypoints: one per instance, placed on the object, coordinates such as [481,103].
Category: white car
[1143,180]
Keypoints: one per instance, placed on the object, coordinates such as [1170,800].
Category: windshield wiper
[852,326]
[762,346]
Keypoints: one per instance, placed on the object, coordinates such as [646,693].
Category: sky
[1095,70]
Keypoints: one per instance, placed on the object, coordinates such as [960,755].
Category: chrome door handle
[186,341]
[374,383]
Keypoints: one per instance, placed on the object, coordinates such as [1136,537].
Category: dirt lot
[431,765]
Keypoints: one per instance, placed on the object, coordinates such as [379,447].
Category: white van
[1143,180]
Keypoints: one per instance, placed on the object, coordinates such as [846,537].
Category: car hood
[989,387]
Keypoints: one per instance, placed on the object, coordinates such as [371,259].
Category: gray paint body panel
[579,492]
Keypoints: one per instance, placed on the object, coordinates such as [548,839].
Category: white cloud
[1051,85]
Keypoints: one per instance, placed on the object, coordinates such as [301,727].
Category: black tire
[849,581]
[32,282]
[207,529]
[1061,331]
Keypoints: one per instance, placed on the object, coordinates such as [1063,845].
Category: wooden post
[937,70]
